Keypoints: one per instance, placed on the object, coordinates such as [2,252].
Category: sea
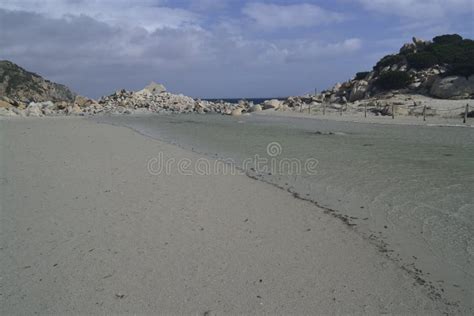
[408,190]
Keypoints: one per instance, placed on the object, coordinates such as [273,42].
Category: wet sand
[85,228]
[404,188]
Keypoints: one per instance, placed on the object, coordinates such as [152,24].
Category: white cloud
[98,46]
[95,58]
[143,13]
[420,9]
[274,16]
[305,50]
[208,5]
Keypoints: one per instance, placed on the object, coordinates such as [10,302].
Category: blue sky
[210,48]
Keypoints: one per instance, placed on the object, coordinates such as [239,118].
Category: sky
[216,48]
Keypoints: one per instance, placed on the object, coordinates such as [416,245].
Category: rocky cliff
[23,86]
[441,68]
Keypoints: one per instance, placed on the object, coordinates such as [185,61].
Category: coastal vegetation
[450,51]
[393,80]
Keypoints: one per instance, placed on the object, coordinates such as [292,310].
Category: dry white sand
[86,229]
[448,111]
[373,119]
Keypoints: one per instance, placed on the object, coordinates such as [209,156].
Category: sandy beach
[236,157]
[372,119]
[85,228]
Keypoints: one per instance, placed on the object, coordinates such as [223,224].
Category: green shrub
[422,60]
[464,70]
[393,80]
[460,52]
[389,60]
[362,75]
[467,45]
[448,54]
[447,39]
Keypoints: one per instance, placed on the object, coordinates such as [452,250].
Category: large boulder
[7,112]
[82,102]
[453,87]
[61,105]
[155,88]
[73,109]
[200,107]
[236,112]
[419,43]
[272,104]
[358,90]
[18,111]
[255,108]
[408,48]
[34,109]
[336,87]
[143,93]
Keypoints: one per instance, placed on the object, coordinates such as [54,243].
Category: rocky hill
[23,86]
[23,93]
[442,68]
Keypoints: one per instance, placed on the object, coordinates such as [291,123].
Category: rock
[428,82]
[18,111]
[73,109]
[334,99]
[143,93]
[80,101]
[336,87]
[408,48]
[34,110]
[83,101]
[272,104]
[414,85]
[200,107]
[453,87]
[61,105]
[358,90]
[5,105]
[419,43]
[255,108]
[155,88]
[6,112]
[226,111]
[46,104]
[244,104]
[346,85]
[236,112]
[49,112]
[5,98]
[400,110]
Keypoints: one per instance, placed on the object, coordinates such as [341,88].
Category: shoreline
[436,121]
[372,274]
